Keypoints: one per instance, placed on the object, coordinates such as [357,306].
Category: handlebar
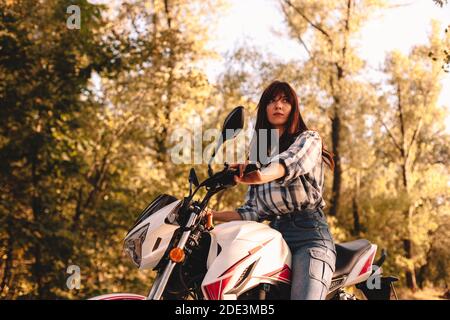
[217,182]
[226,176]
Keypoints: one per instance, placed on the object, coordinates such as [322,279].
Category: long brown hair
[295,124]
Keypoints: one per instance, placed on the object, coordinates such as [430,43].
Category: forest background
[89,109]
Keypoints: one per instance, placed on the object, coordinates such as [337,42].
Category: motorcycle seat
[348,254]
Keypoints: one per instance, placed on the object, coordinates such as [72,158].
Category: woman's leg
[312,270]
[313,254]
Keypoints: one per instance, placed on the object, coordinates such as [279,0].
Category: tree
[412,123]
[44,71]
[444,53]
[84,112]
[333,63]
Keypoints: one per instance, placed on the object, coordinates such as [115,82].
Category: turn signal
[176,255]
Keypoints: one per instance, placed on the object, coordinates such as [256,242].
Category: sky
[260,23]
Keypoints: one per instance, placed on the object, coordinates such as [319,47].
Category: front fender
[119,296]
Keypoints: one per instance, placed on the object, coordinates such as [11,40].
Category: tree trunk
[7,272]
[37,272]
[36,207]
[420,275]
[356,223]
[410,273]
[407,243]
[337,173]
[161,140]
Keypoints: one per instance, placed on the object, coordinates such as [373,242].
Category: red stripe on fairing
[283,274]
[367,265]
[270,274]
[252,251]
[214,290]
[208,293]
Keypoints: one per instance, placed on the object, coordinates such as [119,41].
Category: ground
[425,294]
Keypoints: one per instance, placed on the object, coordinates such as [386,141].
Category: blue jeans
[313,253]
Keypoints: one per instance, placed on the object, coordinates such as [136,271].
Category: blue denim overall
[313,252]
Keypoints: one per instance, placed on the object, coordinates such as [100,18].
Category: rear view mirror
[193,177]
[234,121]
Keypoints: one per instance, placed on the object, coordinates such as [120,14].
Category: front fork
[161,280]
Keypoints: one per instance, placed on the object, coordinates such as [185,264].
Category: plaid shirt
[300,188]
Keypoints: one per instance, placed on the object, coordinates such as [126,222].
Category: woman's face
[278,111]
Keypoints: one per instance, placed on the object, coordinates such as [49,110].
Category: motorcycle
[236,260]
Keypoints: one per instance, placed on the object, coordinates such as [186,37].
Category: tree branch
[311,23]
[391,135]
[300,39]
[416,131]
[166,8]
[347,31]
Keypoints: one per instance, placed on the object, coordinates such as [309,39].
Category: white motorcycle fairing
[362,270]
[158,235]
[242,255]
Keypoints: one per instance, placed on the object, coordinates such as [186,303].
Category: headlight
[133,245]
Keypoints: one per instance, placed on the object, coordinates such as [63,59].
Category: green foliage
[74,161]
[86,118]
[44,72]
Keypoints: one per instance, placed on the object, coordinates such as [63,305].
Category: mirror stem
[210,171]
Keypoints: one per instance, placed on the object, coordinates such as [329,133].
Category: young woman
[288,191]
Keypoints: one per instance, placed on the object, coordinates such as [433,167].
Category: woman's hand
[222,216]
[240,166]
[253,177]
[209,213]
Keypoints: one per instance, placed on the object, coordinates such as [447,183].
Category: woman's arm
[272,172]
[297,160]
[225,216]
[301,156]
[245,212]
